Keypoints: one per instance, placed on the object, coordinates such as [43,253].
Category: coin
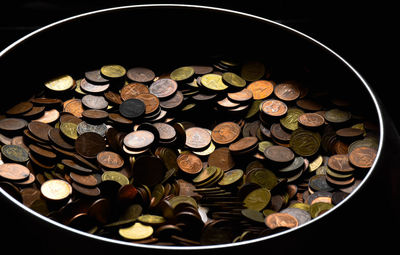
[350,133]
[95,77]
[94,102]
[132,108]
[14,153]
[112,71]
[205,174]
[150,101]
[12,124]
[337,116]
[39,130]
[225,132]
[305,143]
[221,158]
[213,82]
[301,215]
[233,79]
[273,107]
[56,189]
[261,89]
[132,90]
[291,120]
[311,120]
[280,154]
[69,130]
[318,183]
[110,160]
[189,163]
[85,180]
[340,163]
[319,208]
[49,117]
[14,171]
[84,127]
[243,145]
[288,91]
[74,107]
[140,74]
[89,144]
[61,83]
[137,231]
[308,104]
[20,108]
[241,96]
[163,88]
[230,177]
[362,157]
[115,176]
[148,170]
[197,138]
[258,199]
[88,87]
[278,220]
[139,140]
[182,73]
[173,102]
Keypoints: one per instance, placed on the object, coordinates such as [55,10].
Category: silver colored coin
[301,215]
[85,127]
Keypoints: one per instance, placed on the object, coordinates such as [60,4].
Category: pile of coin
[194,155]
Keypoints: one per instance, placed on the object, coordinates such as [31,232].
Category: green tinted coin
[321,170]
[115,176]
[233,79]
[254,109]
[176,200]
[267,212]
[231,177]
[318,208]
[304,142]
[290,121]
[151,219]
[182,73]
[213,82]
[263,177]
[14,153]
[263,145]
[205,174]
[258,199]
[69,129]
[303,206]
[337,116]
[253,215]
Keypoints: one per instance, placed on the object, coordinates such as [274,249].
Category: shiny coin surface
[163,88]
[132,90]
[291,120]
[139,140]
[56,189]
[113,71]
[213,82]
[182,73]
[257,199]
[273,107]
[197,138]
[14,171]
[362,157]
[110,160]
[261,89]
[311,120]
[69,129]
[340,163]
[337,116]
[225,133]
[287,91]
[230,177]
[115,176]
[137,231]
[278,220]
[61,83]
[189,163]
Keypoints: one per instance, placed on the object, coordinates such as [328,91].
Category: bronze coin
[362,157]
[340,163]
[166,131]
[261,89]
[197,138]
[94,102]
[189,163]
[74,107]
[88,180]
[40,130]
[139,140]
[113,97]
[110,160]
[42,153]
[54,135]
[280,134]
[287,91]
[90,144]
[118,118]
[150,101]
[14,172]
[12,124]
[163,88]
[68,117]
[173,102]
[241,96]
[312,120]
[273,107]
[278,220]
[221,158]
[350,132]
[72,165]
[243,144]
[140,74]
[20,108]
[49,117]
[93,115]
[280,154]
[35,112]
[132,90]
[225,132]
[87,191]
[148,170]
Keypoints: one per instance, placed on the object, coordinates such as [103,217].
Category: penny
[362,157]
[243,144]
[39,130]
[150,101]
[261,89]
[225,133]
[189,163]
[287,91]
[112,71]
[55,137]
[140,74]
[61,83]
[49,117]
[319,208]
[163,88]
[20,108]
[280,154]
[56,190]
[221,158]
[227,104]
[340,163]
[14,153]
[166,131]
[132,90]
[113,97]
[88,87]
[273,107]
[41,153]
[182,73]
[12,124]
[173,102]
[233,79]
[197,138]
[95,77]
[280,134]
[74,107]
[69,130]
[95,116]
[94,102]
[89,144]
[278,220]
[311,120]
[132,108]
[139,140]
[353,133]
[241,96]
[85,180]
[302,216]
[14,171]
[110,160]
[213,82]
[119,119]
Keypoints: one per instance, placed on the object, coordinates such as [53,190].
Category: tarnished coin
[139,140]
[225,132]
[318,183]
[244,145]
[278,220]
[362,157]
[163,88]
[20,108]
[89,144]
[39,130]
[182,73]
[88,87]
[221,158]
[14,153]
[56,189]
[69,129]
[132,90]
[213,82]
[197,138]
[112,71]
[287,91]
[14,171]
[291,120]
[305,143]
[140,74]
[132,108]
[258,199]
[231,177]
[95,77]
[280,154]
[110,160]
[350,133]
[61,83]
[241,96]
[137,231]
[261,89]
[319,208]
[12,124]
[205,174]
[115,176]
[233,79]
[173,102]
[311,120]
[273,107]
[337,116]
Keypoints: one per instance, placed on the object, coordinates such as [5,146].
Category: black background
[363,33]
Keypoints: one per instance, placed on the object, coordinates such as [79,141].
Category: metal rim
[223,10]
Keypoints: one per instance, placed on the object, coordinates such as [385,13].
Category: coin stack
[196,155]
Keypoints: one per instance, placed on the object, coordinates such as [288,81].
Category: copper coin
[139,140]
[287,91]
[166,131]
[280,134]
[85,180]
[113,97]
[279,154]
[163,88]
[241,96]
[94,102]
[93,115]
[42,153]
[72,165]
[68,117]
[189,163]
[150,101]
[12,124]
[243,144]
[110,160]
[140,74]
[14,171]
[350,132]
[278,220]
[132,90]
[340,163]
[227,104]
[261,89]
[173,102]
[273,107]
[85,190]
[118,118]
[197,138]
[362,157]
[74,107]
[20,108]
[221,158]
[40,130]
[50,116]
[311,120]
[90,144]
[35,112]
[226,132]
[54,135]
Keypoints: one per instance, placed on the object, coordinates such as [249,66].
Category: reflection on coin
[56,189]
[60,83]
[137,231]
[277,220]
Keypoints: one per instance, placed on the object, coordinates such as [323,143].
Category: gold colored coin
[231,177]
[316,163]
[60,83]
[213,82]
[290,121]
[56,189]
[115,176]
[174,201]
[137,231]
[258,199]
[151,219]
[113,71]
[69,129]
[182,73]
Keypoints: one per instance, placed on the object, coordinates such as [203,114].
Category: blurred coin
[140,74]
[277,220]
[14,171]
